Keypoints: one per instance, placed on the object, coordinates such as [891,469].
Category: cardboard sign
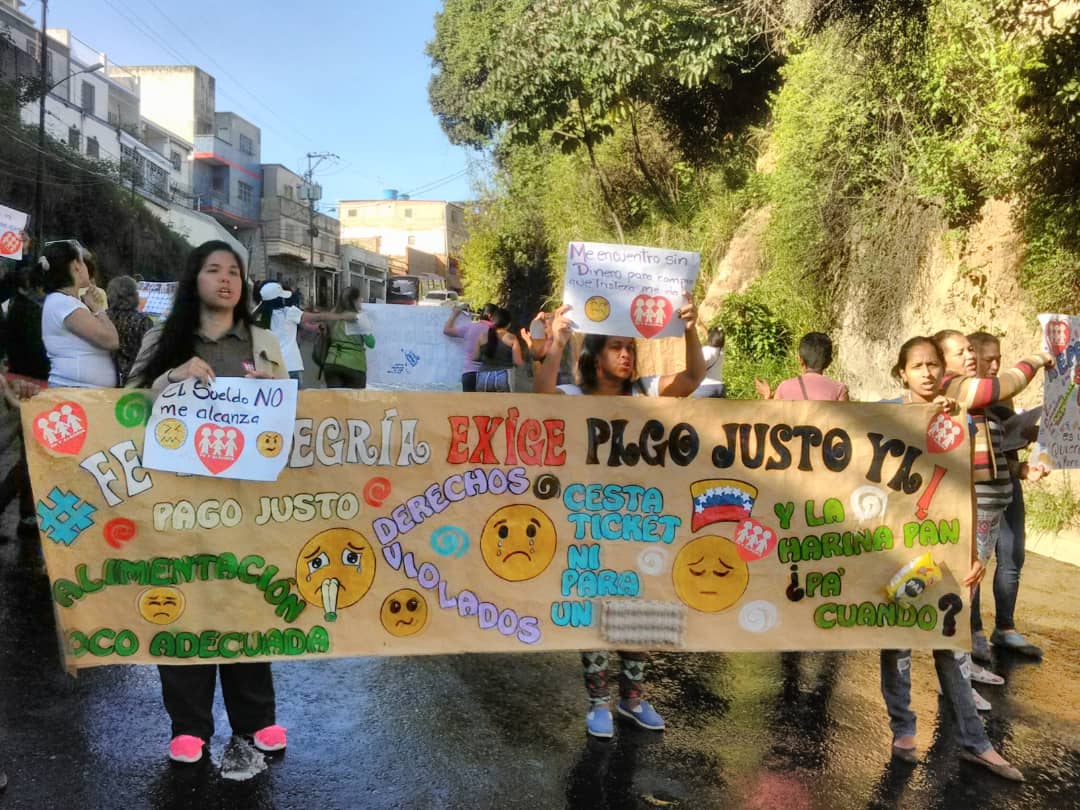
[235,428]
[1059,430]
[12,232]
[156,297]
[443,523]
[628,290]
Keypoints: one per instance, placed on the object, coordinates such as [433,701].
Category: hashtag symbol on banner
[66,518]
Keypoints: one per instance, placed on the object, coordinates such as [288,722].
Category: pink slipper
[186,748]
[269,739]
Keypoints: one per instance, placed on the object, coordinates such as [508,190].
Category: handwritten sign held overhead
[236,428]
[1059,430]
[628,290]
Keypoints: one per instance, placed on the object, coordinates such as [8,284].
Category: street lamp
[46,88]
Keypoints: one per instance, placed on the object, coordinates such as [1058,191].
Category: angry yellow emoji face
[269,443]
[335,569]
[161,605]
[709,575]
[404,613]
[518,542]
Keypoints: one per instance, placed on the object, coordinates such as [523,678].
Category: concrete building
[298,249]
[365,270]
[400,227]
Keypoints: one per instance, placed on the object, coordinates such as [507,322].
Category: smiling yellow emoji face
[269,443]
[404,613]
[335,569]
[518,542]
[709,574]
[161,605]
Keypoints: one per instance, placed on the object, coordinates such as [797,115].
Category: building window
[74,137]
[246,145]
[288,192]
[412,241]
[217,182]
[175,159]
[408,213]
[352,212]
[87,97]
[243,192]
[92,150]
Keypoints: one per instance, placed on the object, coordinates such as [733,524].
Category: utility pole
[313,194]
[39,196]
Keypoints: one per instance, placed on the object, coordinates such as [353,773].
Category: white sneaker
[981,703]
[983,675]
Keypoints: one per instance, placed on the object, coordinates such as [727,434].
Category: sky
[343,76]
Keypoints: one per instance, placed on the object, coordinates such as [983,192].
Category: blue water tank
[403,197]
[389,194]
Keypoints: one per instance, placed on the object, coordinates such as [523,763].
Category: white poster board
[237,428]
[1059,430]
[628,290]
[411,352]
[156,297]
[12,229]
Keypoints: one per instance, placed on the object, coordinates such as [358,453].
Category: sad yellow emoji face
[709,574]
[334,569]
[597,308]
[404,613]
[161,605]
[518,542]
[269,443]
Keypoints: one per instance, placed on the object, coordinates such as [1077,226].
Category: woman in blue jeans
[919,369]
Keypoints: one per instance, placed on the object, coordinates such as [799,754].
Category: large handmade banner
[439,523]
[1059,430]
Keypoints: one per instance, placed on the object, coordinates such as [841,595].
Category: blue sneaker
[643,714]
[599,723]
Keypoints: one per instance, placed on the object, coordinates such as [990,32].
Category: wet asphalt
[745,731]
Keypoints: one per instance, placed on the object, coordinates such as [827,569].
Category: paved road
[506,731]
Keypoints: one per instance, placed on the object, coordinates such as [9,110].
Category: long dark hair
[591,348]
[60,256]
[177,342]
[347,300]
[500,319]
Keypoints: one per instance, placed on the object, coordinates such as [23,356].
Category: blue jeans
[1009,548]
[896,689]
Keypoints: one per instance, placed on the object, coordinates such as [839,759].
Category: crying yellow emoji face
[334,569]
[709,575]
[518,542]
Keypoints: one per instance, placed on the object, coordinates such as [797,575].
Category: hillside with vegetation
[886,168]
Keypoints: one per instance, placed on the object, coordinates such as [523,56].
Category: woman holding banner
[209,333]
[607,366]
[919,369]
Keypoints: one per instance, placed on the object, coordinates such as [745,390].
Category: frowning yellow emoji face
[161,605]
[518,542]
[404,613]
[597,308]
[269,443]
[334,569]
[709,575]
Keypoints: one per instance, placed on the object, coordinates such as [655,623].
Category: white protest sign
[1059,431]
[628,290]
[12,227]
[411,352]
[237,428]
[156,297]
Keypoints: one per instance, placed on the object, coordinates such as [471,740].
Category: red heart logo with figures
[10,243]
[944,434]
[218,447]
[61,429]
[1057,335]
[650,314]
[754,540]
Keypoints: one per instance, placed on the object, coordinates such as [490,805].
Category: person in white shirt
[78,335]
[713,353]
[276,314]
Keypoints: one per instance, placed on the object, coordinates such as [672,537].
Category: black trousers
[188,693]
[468,382]
[341,377]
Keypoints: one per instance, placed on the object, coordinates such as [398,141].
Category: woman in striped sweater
[990,469]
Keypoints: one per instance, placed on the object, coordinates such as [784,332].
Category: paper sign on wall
[236,428]
[628,290]
[1059,430]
